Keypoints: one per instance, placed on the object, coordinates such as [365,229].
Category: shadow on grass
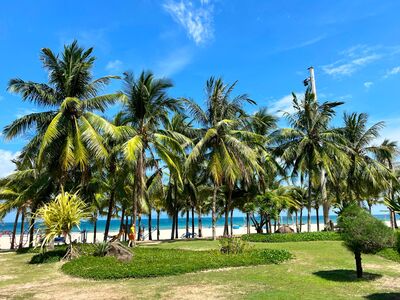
[383,296]
[346,275]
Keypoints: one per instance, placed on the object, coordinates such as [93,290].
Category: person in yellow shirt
[131,236]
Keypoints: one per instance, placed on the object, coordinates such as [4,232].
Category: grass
[314,273]
[298,237]
[152,262]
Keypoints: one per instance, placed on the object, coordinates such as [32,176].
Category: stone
[120,252]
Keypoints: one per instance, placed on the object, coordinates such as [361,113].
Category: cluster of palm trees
[160,153]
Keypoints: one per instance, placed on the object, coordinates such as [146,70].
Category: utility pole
[324,198]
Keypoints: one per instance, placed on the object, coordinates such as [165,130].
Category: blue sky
[266,45]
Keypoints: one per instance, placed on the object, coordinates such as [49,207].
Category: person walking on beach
[131,236]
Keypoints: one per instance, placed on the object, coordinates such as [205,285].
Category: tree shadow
[383,296]
[346,275]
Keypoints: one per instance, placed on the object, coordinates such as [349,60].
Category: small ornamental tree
[60,216]
[362,233]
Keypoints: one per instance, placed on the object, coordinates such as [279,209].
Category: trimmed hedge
[153,262]
[292,237]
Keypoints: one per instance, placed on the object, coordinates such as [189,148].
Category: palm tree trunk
[247,223]
[150,225]
[126,228]
[370,208]
[121,224]
[324,197]
[31,225]
[317,215]
[226,220]
[193,220]
[187,221]
[138,191]
[301,219]
[297,222]
[109,214]
[176,223]
[309,202]
[14,230]
[139,232]
[232,222]
[173,226]
[200,223]
[391,214]
[21,235]
[94,229]
[395,221]
[158,225]
[213,212]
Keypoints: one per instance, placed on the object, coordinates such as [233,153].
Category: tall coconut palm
[310,145]
[222,145]
[146,109]
[69,133]
[365,173]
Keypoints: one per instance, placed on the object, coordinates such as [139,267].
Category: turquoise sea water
[166,223]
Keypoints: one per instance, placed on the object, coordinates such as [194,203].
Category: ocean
[166,223]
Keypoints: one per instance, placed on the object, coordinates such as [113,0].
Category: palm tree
[365,174]
[222,146]
[310,145]
[146,109]
[68,134]
[387,153]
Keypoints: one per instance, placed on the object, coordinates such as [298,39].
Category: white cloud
[306,43]
[195,19]
[284,104]
[174,62]
[6,165]
[114,66]
[393,71]
[368,84]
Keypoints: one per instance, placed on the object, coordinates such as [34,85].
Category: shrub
[152,262]
[390,253]
[233,245]
[292,237]
[48,257]
[101,249]
[362,233]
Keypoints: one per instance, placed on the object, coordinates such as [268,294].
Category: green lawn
[320,270]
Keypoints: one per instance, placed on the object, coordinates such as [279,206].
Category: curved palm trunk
[14,230]
[21,235]
[121,224]
[213,212]
[317,215]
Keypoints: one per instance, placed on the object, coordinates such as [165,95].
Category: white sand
[165,234]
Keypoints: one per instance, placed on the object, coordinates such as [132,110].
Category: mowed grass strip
[152,262]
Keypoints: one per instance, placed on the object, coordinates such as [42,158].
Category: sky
[267,46]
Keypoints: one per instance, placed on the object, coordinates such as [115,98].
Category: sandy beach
[165,234]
